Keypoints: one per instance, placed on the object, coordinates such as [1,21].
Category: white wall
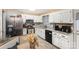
[0,24]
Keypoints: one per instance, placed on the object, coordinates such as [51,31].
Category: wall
[0,24]
[4,14]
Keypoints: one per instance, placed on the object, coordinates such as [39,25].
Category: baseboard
[56,46]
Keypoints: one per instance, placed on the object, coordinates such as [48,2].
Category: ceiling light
[32,9]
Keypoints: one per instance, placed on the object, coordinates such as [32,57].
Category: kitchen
[54,28]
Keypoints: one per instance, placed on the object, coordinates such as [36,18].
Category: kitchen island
[8,43]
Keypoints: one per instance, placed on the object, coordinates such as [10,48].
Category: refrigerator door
[77,25]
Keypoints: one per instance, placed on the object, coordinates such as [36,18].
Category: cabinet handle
[50,33]
[54,34]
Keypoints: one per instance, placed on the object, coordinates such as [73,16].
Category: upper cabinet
[33,17]
[45,20]
[38,19]
[63,16]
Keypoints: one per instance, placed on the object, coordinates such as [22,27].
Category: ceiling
[38,11]
[34,12]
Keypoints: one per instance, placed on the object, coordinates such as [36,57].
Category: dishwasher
[48,36]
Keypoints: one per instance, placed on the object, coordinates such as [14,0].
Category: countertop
[2,42]
[51,29]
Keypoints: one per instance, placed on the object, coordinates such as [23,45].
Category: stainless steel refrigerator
[14,26]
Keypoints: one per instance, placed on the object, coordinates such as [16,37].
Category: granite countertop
[51,29]
[63,32]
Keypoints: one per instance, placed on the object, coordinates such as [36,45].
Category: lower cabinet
[40,32]
[65,43]
[55,39]
[24,31]
[62,41]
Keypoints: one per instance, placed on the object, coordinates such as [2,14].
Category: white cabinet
[38,19]
[65,42]
[24,31]
[43,33]
[40,32]
[64,16]
[33,17]
[37,31]
[54,39]
[45,20]
[57,39]
[62,41]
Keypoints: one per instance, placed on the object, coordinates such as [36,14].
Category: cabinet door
[38,32]
[45,20]
[53,17]
[59,41]
[65,42]
[66,16]
[55,39]
[24,31]
[37,19]
[43,34]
